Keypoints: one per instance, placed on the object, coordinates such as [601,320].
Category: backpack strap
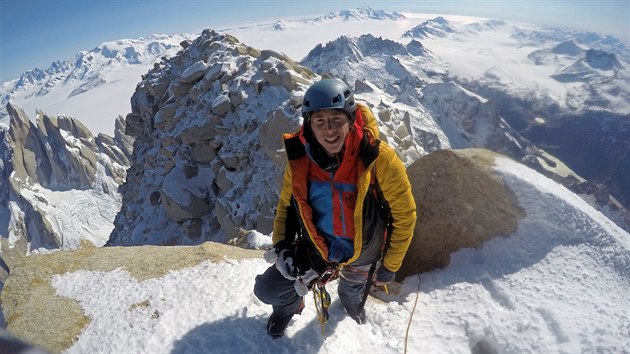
[385,209]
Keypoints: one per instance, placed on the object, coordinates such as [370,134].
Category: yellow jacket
[396,207]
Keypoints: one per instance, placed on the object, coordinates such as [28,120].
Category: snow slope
[560,284]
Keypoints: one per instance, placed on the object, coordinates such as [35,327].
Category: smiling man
[345,211]
[330,127]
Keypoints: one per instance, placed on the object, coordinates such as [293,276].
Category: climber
[345,211]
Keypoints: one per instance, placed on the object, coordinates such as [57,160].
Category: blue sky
[34,33]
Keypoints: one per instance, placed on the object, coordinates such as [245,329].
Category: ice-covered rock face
[470,121]
[208,126]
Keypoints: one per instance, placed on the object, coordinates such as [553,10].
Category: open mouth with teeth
[332,145]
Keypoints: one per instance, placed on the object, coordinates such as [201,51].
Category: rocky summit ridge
[207,125]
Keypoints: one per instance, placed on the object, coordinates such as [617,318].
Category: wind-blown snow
[559,284]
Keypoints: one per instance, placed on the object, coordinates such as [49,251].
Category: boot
[358,316]
[276,325]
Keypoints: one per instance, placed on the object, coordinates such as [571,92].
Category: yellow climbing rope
[412,312]
[321,297]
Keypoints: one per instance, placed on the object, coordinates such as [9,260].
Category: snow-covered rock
[204,151]
[59,183]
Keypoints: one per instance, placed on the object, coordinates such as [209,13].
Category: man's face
[330,127]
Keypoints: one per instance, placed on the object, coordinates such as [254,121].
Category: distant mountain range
[362,13]
[205,118]
[590,68]
[106,74]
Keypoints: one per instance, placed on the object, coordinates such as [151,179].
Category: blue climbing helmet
[329,94]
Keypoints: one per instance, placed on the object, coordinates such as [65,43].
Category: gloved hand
[285,265]
[302,283]
[271,255]
[383,276]
[283,257]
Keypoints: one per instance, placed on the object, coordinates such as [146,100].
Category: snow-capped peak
[436,27]
[363,13]
[35,76]
[112,70]
[568,47]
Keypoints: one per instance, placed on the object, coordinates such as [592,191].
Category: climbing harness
[331,273]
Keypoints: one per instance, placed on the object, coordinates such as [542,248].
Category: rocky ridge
[207,124]
[57,154]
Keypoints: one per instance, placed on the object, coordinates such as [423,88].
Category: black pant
[274,289]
